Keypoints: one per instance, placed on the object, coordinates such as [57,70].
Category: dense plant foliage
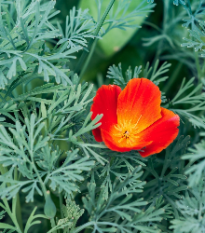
[54,176]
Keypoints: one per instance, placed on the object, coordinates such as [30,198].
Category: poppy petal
[162,133]
[97,134]
[139,103]
[105,102]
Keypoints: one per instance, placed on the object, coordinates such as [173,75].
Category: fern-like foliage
[175,2]
[194,100]
[155,74]
[48,154]
[192,211]
[29,142]
[121,18]
[196,163]
[26,31]
[166,176]
[126,216]
[79,27]
[196,25]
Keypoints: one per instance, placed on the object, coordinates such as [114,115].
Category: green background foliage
[54,177]
[115,39]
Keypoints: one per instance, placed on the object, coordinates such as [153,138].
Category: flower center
[126,131]
[126,134]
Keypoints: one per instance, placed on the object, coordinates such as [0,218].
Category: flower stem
[173,78]
[53,224]
[88,59]
[78,229]
[18,204]
[61,204]
[92,43]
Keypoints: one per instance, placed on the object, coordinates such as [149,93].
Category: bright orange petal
[162,133]
[105,102]
[139,103]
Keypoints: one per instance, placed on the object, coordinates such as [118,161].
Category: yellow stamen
[127,131]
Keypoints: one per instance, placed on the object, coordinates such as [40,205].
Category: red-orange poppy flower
[133,118]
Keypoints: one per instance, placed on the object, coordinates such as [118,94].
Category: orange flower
[133,119]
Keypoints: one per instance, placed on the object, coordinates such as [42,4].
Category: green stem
[198,67]
[18,204]
[203,67]
[173,78]
[96,33]
[18,212]
[40,181]
[199,71]
[61,203]
[88,59]
[38,175]
[53,224]
[83,227]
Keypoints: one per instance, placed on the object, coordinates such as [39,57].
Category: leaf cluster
[47,151]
